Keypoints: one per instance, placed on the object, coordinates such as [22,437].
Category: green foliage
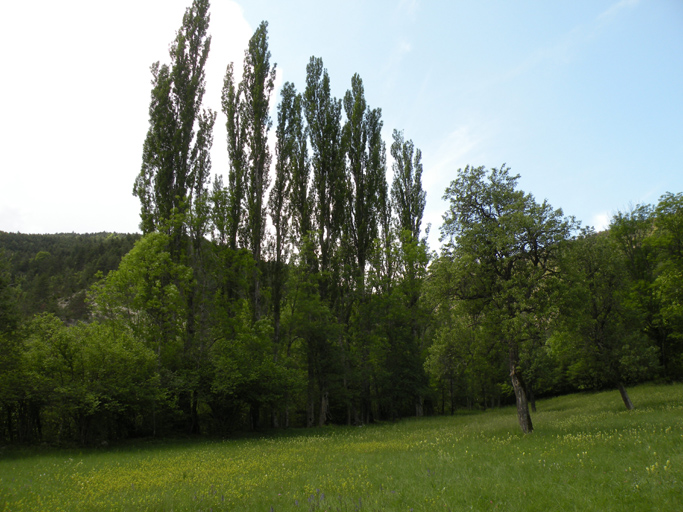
[465,361]
[502,248]
[323,117]
[243,363]
[598,337]
[87,379]
[310,340]
[145,295]
[408,196]
[9,314]
[649,239]
[668,239]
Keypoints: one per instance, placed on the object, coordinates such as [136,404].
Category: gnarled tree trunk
[523,415]
[625,397]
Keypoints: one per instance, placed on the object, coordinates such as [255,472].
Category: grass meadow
[587,453]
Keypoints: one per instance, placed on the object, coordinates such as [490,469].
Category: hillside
[51,273]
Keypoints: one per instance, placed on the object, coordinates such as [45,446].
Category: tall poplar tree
[323,117]
[366,175]
[231,199]
[327,199]
[408,196]
[409,201]
[248,122]
[290,150]
[172,184]
[295,133]
[259,80]
[176,148]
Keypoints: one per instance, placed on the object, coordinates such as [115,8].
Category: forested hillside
[52,273]
[302,292]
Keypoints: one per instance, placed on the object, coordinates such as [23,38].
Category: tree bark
[194,413]
[10,427]
[625,397]
[419,406]
[254,414]
[310,413]
[324,403]
[523,415]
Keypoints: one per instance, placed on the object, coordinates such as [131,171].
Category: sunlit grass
[587,453]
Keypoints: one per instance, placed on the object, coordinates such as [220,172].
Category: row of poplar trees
[291,291]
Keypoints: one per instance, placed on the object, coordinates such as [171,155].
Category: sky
[582,98]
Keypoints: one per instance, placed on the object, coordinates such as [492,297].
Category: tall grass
[587,453]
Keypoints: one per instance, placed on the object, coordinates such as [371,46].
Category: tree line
[302,291]
[523,292]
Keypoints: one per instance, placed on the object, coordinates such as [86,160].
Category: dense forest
[52,273]
[302,292]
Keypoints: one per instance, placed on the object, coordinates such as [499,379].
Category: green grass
[587,453]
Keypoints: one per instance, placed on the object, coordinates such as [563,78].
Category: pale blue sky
[582,98]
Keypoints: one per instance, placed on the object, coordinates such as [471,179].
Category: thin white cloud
[613,11]
[449,155]
[393,64]
[441,162]
[404,47]
[408,8]
[566,48]
[403,14]
[652,194]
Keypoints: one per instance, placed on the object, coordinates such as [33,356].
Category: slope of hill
[52,273]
